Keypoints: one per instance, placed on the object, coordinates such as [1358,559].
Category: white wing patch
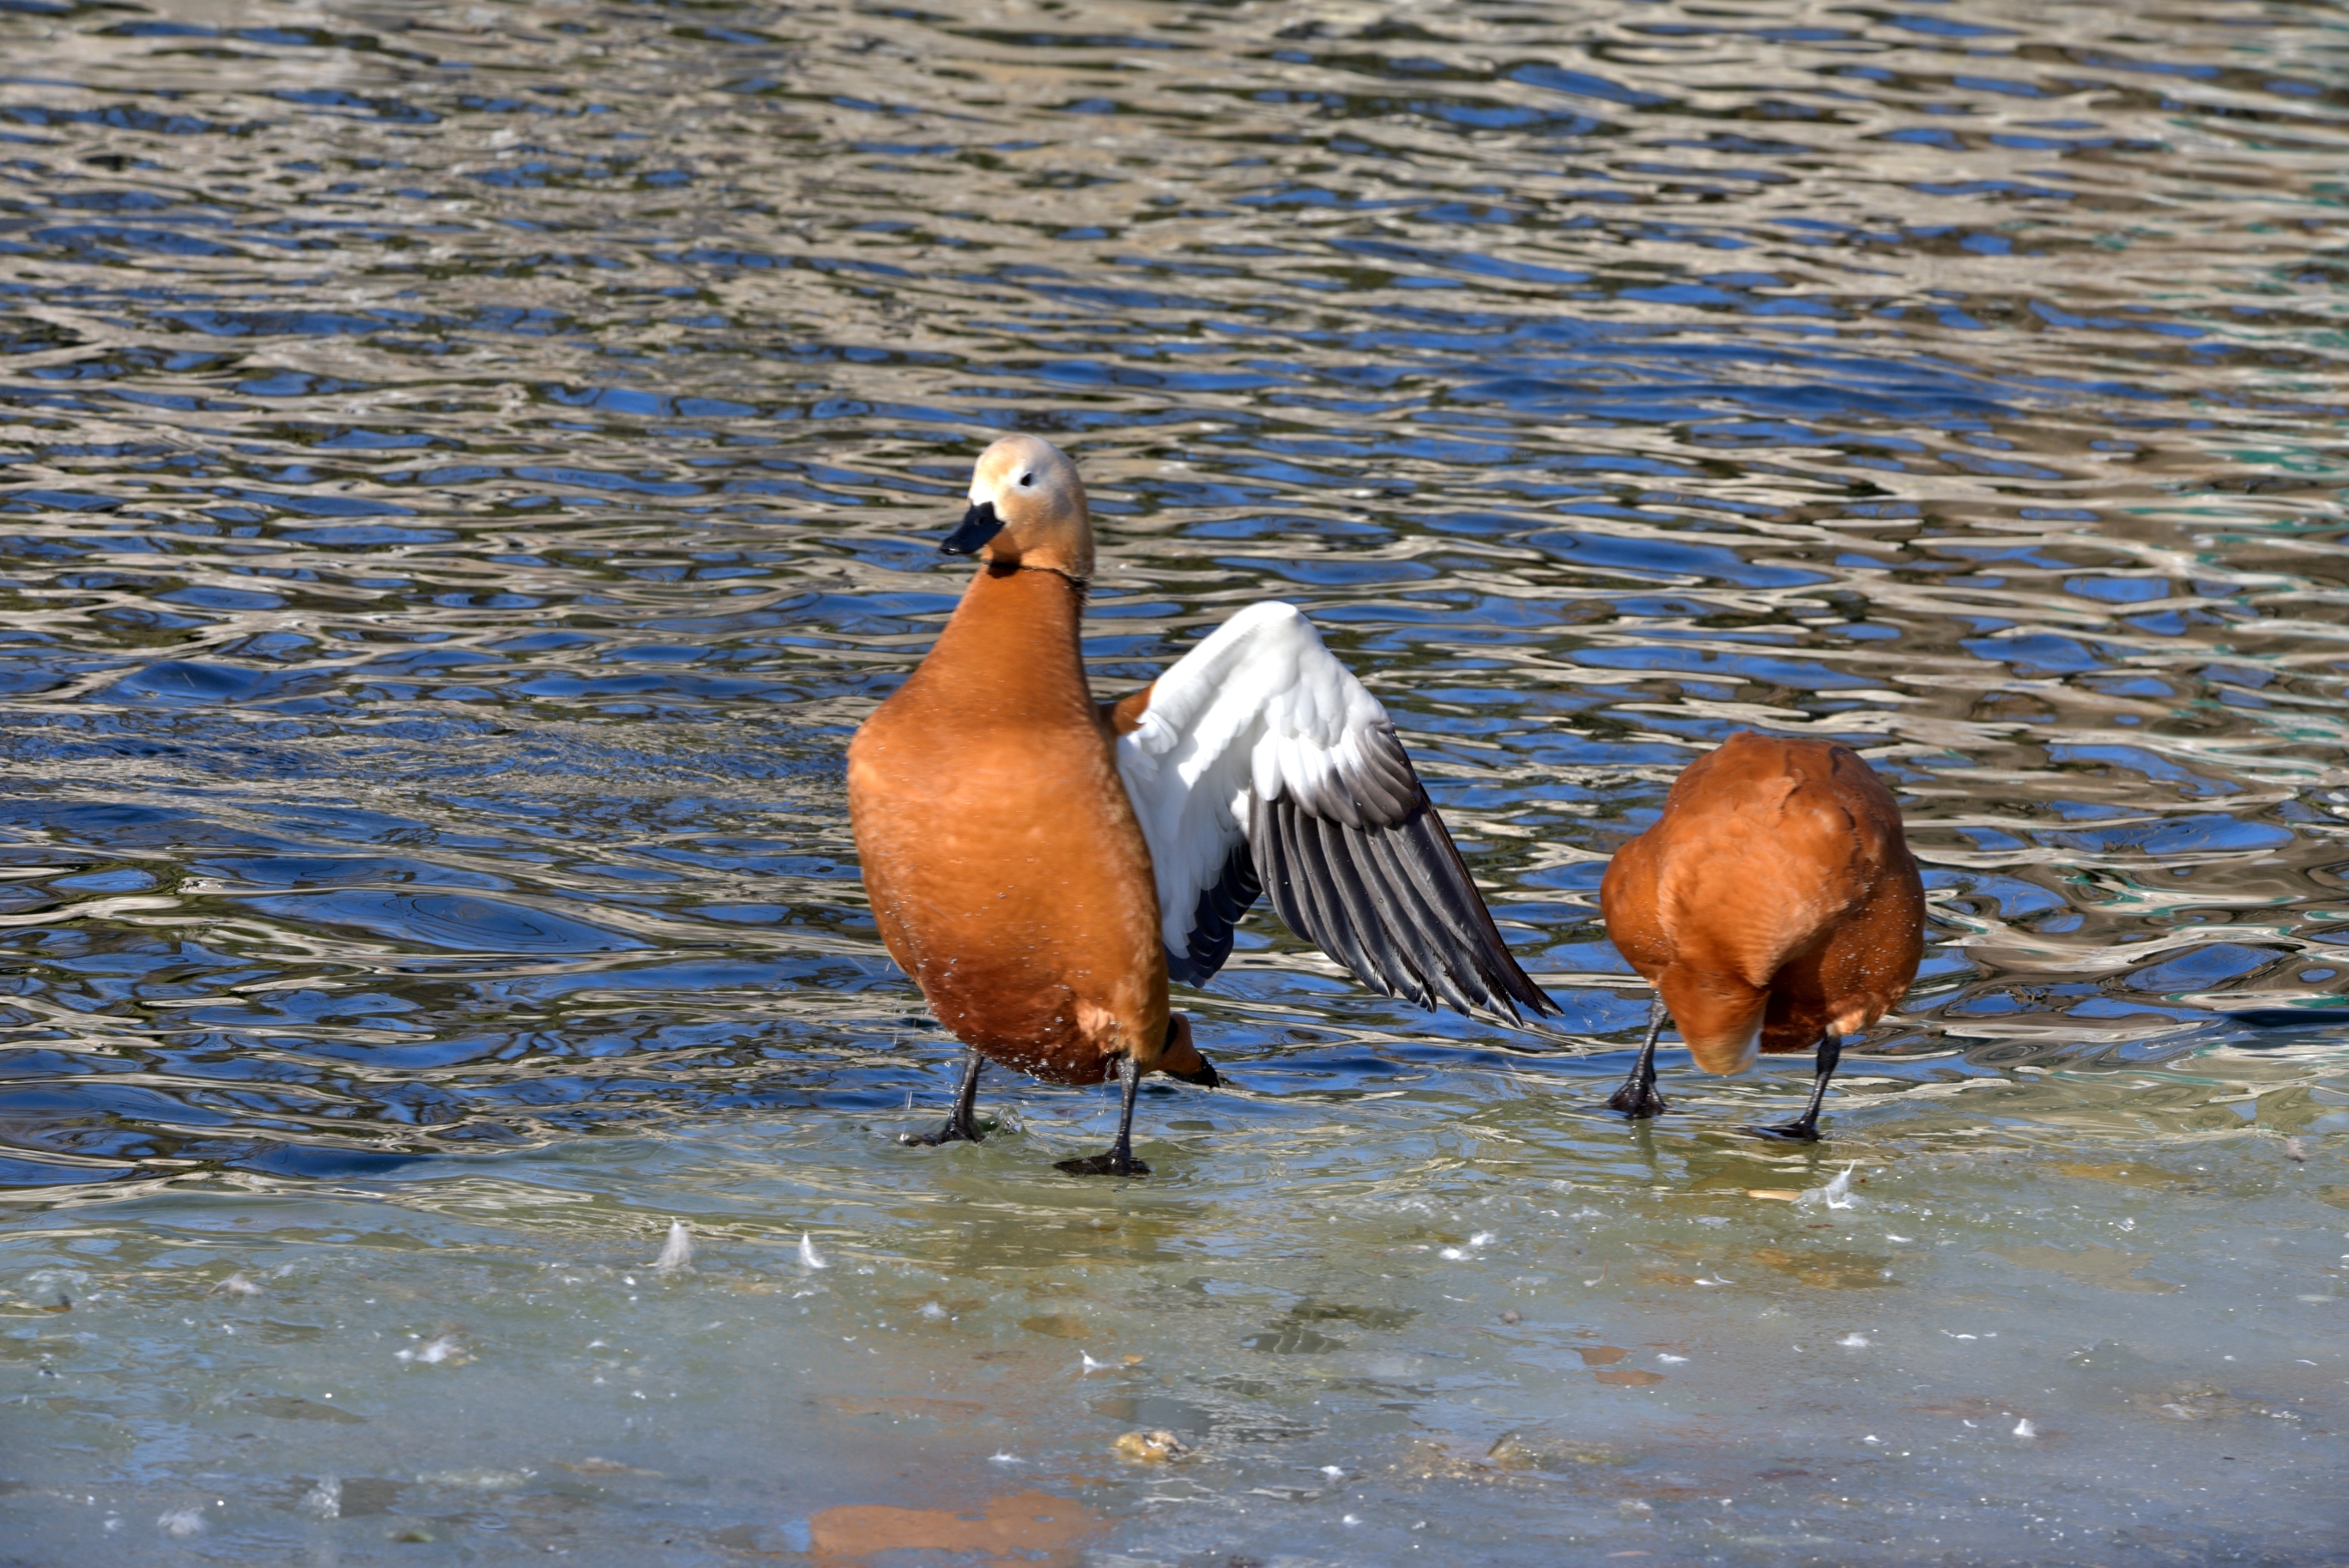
[1258,707]
[1262,763]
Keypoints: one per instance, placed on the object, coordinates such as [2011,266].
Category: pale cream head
[1034,492]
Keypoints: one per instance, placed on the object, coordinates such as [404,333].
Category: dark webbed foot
[962,1124]
[1103,1165]
[952,1132]
[1804,1129]
[1637,1099]
[1119,1160]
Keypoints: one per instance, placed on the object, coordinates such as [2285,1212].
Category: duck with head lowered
[1041,864]
[1774,905]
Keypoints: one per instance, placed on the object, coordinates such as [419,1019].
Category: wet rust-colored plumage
[1774,905]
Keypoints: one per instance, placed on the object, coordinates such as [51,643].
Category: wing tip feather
[1343,888]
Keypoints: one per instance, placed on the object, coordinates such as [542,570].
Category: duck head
[1026,509]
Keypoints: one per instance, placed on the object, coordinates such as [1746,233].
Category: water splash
[441,1347]
[1836,1194]
[677,1251]
[324,1499]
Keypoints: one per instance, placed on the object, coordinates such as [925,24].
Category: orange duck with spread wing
[1041,864]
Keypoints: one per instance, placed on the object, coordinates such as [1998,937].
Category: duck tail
[1182,1059]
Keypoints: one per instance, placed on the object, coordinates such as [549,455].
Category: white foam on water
[484,1479]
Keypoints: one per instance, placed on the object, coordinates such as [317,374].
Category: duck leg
[961,1126]
[1638,1096]
[1119,1160]
[1804,1129]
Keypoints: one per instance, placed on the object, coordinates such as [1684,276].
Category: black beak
[979,524]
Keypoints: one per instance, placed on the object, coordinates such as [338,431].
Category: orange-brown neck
[1013,645]
[1058,543]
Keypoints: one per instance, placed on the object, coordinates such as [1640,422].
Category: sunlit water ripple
[465,470]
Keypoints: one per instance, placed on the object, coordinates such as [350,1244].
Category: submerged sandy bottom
[1483,1323]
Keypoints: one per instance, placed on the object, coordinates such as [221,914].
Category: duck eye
[1027,478]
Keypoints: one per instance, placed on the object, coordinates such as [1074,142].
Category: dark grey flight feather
[1363,896]
[1219,910]
[1362,869]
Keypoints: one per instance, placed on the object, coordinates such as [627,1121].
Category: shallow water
[465,470]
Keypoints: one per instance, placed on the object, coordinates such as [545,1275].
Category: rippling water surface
[466,470]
